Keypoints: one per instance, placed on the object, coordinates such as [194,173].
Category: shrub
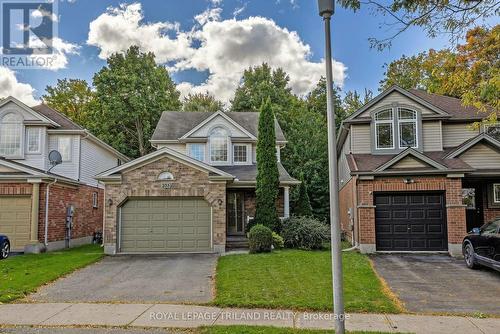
[304,233]
[260,239]
[278,241]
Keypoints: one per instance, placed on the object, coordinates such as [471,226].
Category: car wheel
[4,250]
[469,256]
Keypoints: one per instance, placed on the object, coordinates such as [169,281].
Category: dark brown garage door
[410,222]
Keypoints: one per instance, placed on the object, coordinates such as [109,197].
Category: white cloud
[239,10]
[59,57]
[226,48]
[9,86]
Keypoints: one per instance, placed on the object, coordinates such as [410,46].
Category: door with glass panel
[235,213]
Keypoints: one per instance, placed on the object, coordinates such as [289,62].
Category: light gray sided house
[196,192]
[415,174]
[27,135]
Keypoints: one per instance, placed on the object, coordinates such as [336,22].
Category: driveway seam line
[57,313]
[147,309]
[474,324]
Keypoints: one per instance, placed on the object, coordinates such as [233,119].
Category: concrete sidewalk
[189,316]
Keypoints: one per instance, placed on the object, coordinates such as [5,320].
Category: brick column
[34,245]
[366,217]
[456,217]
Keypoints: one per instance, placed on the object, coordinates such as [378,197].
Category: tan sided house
[195,193]
[415,175]
[27,135]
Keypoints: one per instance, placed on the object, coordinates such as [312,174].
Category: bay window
[384,129]
[11,132]
[219,143]
[197,151]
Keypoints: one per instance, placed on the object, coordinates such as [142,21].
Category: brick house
[27,135]
[415,175]
[195,193]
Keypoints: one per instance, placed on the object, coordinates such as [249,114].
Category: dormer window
[11,133]
[219,145]
[407,120]
[384,129]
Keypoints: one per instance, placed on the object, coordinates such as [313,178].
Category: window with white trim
[33,136]
[384,129]
[64,147]
[496,193]
[241,153]
[95,200]
[219,144]
[197,151]
[11,132]
[407,122]
[493,130]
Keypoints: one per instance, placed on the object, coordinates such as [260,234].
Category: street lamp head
[326,7]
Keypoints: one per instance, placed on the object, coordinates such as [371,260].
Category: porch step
[236,243]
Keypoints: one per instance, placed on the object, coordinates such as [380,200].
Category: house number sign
[167,185]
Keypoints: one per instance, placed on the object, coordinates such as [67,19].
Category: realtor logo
[28,28]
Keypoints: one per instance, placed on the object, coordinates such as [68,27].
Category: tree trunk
[140,137]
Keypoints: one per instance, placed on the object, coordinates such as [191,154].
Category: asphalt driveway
[136,278]
[439,283]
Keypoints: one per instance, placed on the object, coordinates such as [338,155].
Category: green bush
[278,241]
[260,239]
[304,233]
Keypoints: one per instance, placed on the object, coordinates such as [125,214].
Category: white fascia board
[28,110]
[227,118]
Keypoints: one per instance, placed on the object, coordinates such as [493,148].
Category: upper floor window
[493,130]
[64,147]
[496,193]
[11,131]
[407,120]
[219,142]
[33,140]
[384,129]
[241,153]
[197,151]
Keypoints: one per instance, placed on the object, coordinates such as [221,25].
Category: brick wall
[489,213]
[189,182]
[86,220]
[452,187]
[16,188]
[249,202]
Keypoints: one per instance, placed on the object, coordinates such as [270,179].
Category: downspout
[47,195]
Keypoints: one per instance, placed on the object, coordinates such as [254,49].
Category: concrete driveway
[136,279]
[439,283]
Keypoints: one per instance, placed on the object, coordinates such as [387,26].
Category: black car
[482,246]
[4,247]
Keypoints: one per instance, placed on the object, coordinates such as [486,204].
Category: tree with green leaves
[471,72]
[303,205]
[352,101]
[74,98]
[437,17]
[267,169]
[132,91]
[202,102]
[316,101]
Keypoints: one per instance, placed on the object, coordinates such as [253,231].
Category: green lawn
[20,275]
[266,330]
[299,280]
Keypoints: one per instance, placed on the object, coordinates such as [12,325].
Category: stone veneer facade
[365,190]
[142,181]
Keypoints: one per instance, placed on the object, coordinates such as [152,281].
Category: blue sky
[217,66]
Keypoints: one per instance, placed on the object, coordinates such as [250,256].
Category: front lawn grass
[301,280]
[22,274]
[267,330]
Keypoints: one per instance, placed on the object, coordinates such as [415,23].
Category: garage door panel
[169,225]
[15,220]
[410,222]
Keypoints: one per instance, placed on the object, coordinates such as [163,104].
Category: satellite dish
[55,158]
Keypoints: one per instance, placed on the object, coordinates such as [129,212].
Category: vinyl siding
[181,148]
[343,167]
[219,121]
[456,134]
[94,160]
[409,162]
[481,156]
[432,136]
[67,168]
[396,97]
[361,135]
[36,160]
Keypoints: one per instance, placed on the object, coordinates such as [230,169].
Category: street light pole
[326,9]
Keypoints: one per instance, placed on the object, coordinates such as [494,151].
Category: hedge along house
[27,135]
[196,192]
[415,175]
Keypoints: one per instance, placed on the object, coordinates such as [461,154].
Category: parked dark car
[4,247]
[482,246]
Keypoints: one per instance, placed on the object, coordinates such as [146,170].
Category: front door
[235,213]
[473,199]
